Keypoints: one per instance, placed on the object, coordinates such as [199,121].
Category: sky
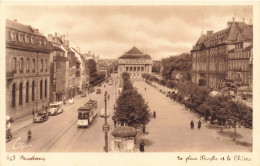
[109,31]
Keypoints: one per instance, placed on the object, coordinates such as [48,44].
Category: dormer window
[20,38]
[26,39]
[32,40]
[13,36]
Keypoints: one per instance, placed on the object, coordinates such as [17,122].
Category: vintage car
[98,91]
[41,116]
[55,108]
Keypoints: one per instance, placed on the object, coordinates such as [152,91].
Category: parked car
[71,101]
[41,116]
[98,91]
[55,108]
[83,94]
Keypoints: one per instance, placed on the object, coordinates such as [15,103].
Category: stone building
[83,69]
[57,70]
[27,69]
[135,63]
[210,53]
[239,64]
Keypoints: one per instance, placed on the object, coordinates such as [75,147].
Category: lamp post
[106,126]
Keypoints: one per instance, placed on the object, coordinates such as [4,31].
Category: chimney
[37,30]
[78,49]
[209,32]
[15,20]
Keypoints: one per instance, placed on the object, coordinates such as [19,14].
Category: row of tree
[131,108]
[220,108]
[95,76]
[174,65]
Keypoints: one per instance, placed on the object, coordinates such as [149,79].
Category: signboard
[106,127]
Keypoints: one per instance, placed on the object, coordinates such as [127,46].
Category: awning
[124,131]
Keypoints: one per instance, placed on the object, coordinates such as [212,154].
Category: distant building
[83,83]
[210,60]
[135,63]
[239,64]
[57,70]
[27,69]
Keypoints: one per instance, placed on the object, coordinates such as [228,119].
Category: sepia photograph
[122,79]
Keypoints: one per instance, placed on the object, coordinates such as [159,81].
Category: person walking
[191,124]
[199,124]
[145,88]
[141,148]
[154,114]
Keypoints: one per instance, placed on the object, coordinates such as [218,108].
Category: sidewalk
[21,123]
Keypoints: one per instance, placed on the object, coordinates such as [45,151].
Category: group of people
[192,124]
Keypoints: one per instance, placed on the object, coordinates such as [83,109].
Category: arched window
[33,91]
[45,89]
[41,89]
[21,94]
[13,95]
[27,93]
[33,65]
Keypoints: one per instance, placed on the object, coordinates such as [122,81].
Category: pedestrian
[199,124]
[145,88]
[191,124]
[115,123]
[154,114]
[142,146]
[33,112]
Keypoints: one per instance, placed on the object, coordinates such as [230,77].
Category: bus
[87,113]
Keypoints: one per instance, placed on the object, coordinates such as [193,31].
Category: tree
[92,66]
[127,85]
[125,76]
[131,109]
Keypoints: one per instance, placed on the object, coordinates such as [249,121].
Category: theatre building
[27,70]
[135,63]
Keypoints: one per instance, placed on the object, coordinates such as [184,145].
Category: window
[45,92]
[142,68]
[138,68]
[41,65]
[27,65]
[126,68]
[41,89]
[14,65]
[134,69]
[13,95]
[20,38]
[21,65]
[46,64]
[33,91]
[13,36]
[26,39]
[32,40]
[21,94]
[27,93]
[33,65]
[130,68]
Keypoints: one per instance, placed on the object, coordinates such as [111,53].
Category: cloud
[109,30]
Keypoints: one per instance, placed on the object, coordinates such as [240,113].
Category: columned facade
[135,63]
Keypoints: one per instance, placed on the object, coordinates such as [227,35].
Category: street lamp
[106,126]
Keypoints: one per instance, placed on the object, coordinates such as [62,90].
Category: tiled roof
[134,50]
[135,53]
[22,28]
[237,31]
